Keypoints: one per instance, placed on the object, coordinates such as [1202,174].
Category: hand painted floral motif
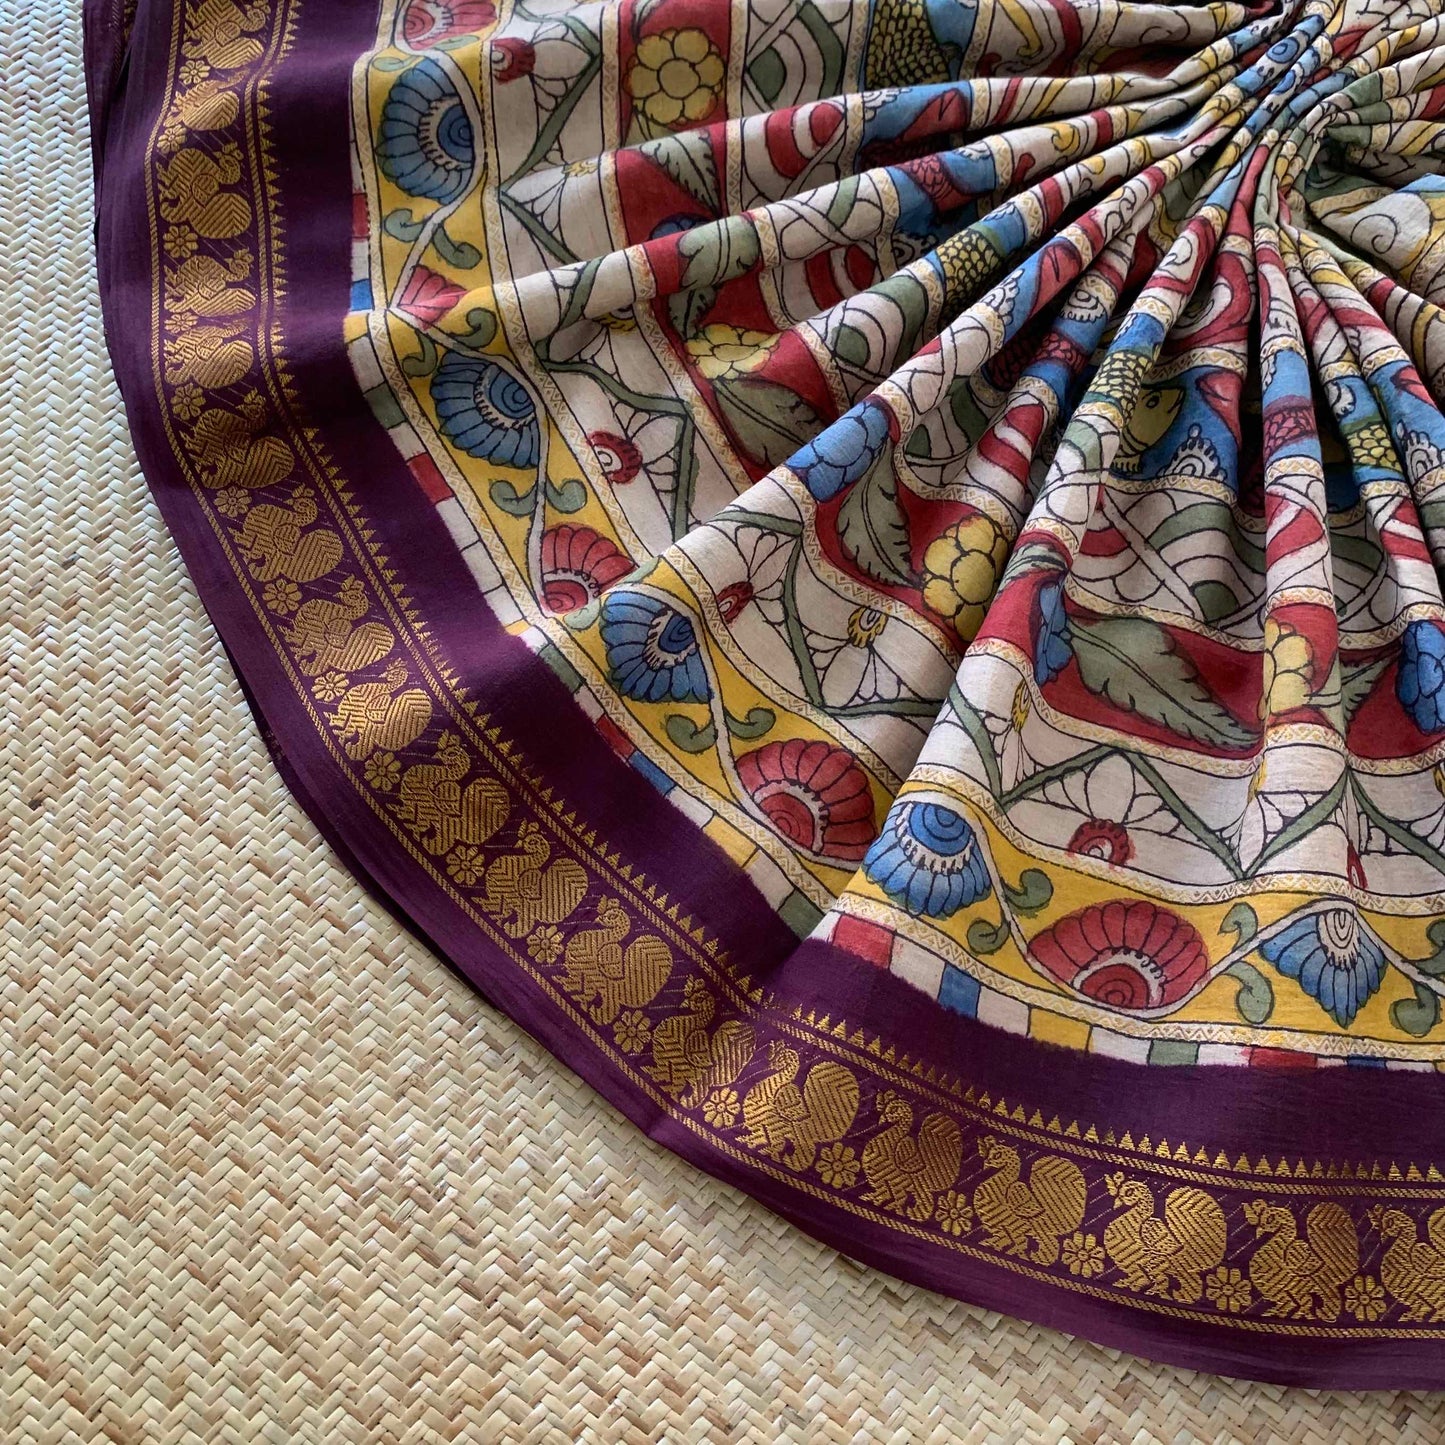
[485,411]
[1131,956]
[928,858]
[1334,959]
[652,650]
[424,141]
[675,78]
[815,795]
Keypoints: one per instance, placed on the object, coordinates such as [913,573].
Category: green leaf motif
[425,361]
[1417,1016]
[985,938]
[1133,663]
[1242,921]
[1032,893]
[1255,999]
[461,254]
[1357,684]
[758,721]
[688,159]
[872,527]
[514,503]
[568,496]
[718,251]
[686,735]
[482,327]
[770,421]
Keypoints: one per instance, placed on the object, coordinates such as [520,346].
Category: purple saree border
[1327,1113]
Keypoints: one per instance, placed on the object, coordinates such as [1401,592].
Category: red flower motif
[1100,838]
[814,795]
[428,296]
[429,22]
[618,457]
[512,59]
[733,598]
[1127,956]
[577,565]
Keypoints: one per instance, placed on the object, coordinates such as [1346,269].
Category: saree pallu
[869,571]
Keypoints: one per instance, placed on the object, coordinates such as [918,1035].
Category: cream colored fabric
[268,1171]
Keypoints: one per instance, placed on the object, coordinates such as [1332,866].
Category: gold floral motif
[632,1031]
[905,1171]
[1298,1277]
[604,977]
[838,1166]
[1150,1251]
[786,1119]
[1364,1298]
[382,770]
[1083,1255]
[544,944]
[1228,1290]
[720,1108]
[1013,1212]
[954,1213]
[465,865]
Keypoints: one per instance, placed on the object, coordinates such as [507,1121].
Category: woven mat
[268,1171]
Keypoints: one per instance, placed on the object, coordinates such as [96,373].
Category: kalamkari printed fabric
[870,571]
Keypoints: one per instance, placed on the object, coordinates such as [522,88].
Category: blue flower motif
[842,452]
[424,142]
[486,411]
[928,859]
[652,649]
[1051,644]
[1335,959]
[1420,682]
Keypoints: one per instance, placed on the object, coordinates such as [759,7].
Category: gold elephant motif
[279,541]
[604,977]
[375,715]
[906,1170]
[1042,1209]
[788,1119]
[523,889]
[690,1059]
[191,192]
[325,634]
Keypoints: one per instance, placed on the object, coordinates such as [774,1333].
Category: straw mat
[268,1170]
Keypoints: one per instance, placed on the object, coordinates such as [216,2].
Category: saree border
[408,722]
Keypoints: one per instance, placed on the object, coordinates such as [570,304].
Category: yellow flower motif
[189,401]
[838,1166]
[676,77]
[1289,662]
[720,351]
[282,596]
[954,1212]
[383,771]
[1228,1289]
[720,1108]
[1019,713]
[232,501]
[329,686]
[865,625]
[1083,1255]
[465,865]
[181,242]
[963,567]
[632,1031]
[1364,1298]
[585,167]
[544,944]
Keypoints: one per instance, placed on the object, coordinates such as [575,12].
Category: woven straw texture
[268,1171]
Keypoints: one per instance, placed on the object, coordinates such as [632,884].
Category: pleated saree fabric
[869,571]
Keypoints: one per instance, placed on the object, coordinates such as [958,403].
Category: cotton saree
[868,570]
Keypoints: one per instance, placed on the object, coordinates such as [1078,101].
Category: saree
[869,571]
